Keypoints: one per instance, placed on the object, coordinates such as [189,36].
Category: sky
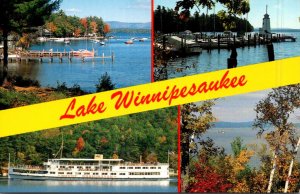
[283,13]
[110,10]
[240,108]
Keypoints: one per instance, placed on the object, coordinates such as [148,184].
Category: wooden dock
[221,41]
[51,55]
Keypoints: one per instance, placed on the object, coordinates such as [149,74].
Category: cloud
[73,10]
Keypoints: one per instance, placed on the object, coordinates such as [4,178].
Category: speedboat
[129,42]
[83,53]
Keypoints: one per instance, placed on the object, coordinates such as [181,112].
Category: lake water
[207,62]
[88,186]
[224,136]
[132,64]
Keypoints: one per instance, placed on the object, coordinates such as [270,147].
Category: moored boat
[129,42]
[90,169]
[83,53]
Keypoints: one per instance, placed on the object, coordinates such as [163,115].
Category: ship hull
[55,178]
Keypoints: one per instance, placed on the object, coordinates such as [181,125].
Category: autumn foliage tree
[195,120]
[206,179]
[94,26]
[51,27]
[275,111]
[106,29]
[79,144]
[84,23]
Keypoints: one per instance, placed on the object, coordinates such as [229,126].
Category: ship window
[61,173]
[122,167]
[137,167]
[86,173]
[104,173]
[69,172]
[145,167]
[52,172]
[113,173]
[129,167]
[159,167]
[122,174]
[78,173]
[95,173]
[152,167]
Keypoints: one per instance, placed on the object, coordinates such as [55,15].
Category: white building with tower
[266,26]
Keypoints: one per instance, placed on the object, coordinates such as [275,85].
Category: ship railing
[28,167]
[143,164]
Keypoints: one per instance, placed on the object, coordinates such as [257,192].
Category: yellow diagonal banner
[149,96]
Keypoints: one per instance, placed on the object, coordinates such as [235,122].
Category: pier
[183,42]
[51,55]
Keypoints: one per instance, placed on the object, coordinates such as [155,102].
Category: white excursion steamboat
[91,169]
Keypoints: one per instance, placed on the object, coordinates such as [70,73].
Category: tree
[106,29]
[195,120]
[20,16]
[51,27]
[80,144]
[104,83]
[84,23]
[232,9]
[94,26]
[275,111]
[206,179]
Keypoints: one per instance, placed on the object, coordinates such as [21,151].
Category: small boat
[83,53]
[129,42]
[42,39]
[67,41]
[142,39]
[102,43]
[59,40]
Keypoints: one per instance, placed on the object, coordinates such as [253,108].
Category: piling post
[164,42]
[234,40]
[271,54]
[112,56]
[219,46]
[60,57]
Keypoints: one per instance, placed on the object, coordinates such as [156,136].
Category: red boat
[129,42]
[83,53]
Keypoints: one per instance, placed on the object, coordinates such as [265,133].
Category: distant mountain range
[281,30]
[127,25]
[249,124]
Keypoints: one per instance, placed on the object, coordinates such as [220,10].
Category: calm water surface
[131,65]
[224,136]
[88,186]
[207,62]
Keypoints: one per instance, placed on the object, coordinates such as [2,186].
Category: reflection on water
[169,185]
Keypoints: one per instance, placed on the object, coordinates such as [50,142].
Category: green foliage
[236,146]
[11,98]
[104,83]
[66,26]
[168,21]
[23,82]
[75,90]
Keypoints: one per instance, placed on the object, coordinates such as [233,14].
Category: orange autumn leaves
[79,146]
